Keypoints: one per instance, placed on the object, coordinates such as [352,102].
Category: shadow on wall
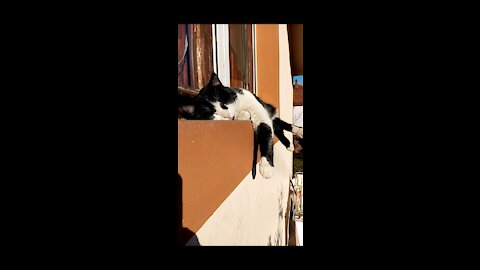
[184,234]
[276,239]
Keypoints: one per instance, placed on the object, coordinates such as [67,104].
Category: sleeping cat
[217,102]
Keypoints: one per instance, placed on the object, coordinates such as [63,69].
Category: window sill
[187,92]
[219,146]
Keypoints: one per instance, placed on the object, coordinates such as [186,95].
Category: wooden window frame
[220,60]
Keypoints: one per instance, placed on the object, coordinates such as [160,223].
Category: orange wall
[213,158]
[268,63]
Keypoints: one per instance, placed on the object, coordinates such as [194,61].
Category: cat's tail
[255,152]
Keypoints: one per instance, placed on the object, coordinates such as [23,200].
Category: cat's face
[214,101]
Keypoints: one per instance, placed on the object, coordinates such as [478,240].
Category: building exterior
[219,202]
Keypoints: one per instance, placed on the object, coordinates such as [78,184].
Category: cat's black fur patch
[255,151]
[194,110]
[280,124]
[265,139]
[215,91]
[278,130]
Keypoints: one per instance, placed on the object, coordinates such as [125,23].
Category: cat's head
[212,102]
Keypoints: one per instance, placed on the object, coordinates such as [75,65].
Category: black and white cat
[217,102]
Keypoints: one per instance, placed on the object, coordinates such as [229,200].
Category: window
[225,49]
[195,60]
[241,56]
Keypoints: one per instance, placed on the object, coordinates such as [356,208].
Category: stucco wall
[254,213]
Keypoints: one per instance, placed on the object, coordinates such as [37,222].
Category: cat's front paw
[266,170]
[218,117]
[244,115]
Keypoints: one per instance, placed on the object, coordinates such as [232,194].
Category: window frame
[222,53]
[220,58]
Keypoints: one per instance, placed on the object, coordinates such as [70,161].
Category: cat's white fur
[266,170]
[245,104]
[297,130]
[216,116]
[243,115]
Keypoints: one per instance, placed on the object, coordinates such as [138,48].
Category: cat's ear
[214,80]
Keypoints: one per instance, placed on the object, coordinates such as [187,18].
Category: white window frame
[214,47]
[221,49]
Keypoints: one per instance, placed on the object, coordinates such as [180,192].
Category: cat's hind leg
[281,136]
[288,127]
[265,139]
[266,170]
